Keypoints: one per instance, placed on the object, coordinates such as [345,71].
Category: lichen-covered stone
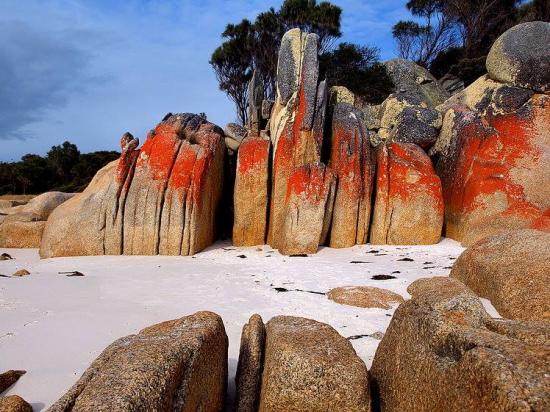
[408,207]
[159,199]
[414,80]
[251,192]
[417,125]
[521,56]
[296,122]
[175,365]
[442,352]
[351,161]
[308,207]
[235,131]
[309,367]
[493,167]
[512,270]
[250,365]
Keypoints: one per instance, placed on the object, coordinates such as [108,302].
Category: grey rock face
[235,131]
[288,65]
[413,79]
[178,365]
[417,125]
[521,56]
[255,98]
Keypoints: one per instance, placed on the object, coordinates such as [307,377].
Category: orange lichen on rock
[352,163]
[496,176]
[251,192]
[308,207]
[408,207]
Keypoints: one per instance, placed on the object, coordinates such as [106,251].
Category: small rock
[5,256]
[9,378]
[22,272]
[365,297]
[383,277]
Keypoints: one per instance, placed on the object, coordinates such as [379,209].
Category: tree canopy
[455,36]
[253,46]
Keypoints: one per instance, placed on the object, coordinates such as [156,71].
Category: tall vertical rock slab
[307,209]
[299,106]
[251,192]
[162,198]
[351,161]
[408,208]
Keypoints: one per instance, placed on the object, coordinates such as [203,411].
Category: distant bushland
[63,168]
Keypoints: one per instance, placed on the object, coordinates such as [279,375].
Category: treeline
[445,36]
[64,169]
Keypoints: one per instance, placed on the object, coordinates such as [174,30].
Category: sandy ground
[53,326]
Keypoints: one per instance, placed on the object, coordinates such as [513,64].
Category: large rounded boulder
[512,270]
[521,56]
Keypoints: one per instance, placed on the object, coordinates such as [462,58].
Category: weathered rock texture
[365,297]
[14,403]
[521,56]
[251,193]
[309,194]
[493,165]
[442,352]
[308,366]
[160,199]
[23,225]
[512,270]
[296,127]
[250,365]
[175,365]
[408,208]
[352,162]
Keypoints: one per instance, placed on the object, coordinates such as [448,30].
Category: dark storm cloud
[38,71]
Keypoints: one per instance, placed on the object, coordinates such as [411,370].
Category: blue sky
[88,71]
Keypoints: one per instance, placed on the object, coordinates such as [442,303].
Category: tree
[232,64]
[481,22]
[456,35]
[253,46]
[358,69]
[62,158]
[423,42]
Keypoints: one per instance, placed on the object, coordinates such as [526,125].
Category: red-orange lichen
[253,153]
[489,149]
[406,161]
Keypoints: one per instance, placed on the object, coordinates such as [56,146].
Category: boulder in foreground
[512,270]
[442,352]
[14,403]
[308,366]
[175,365]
